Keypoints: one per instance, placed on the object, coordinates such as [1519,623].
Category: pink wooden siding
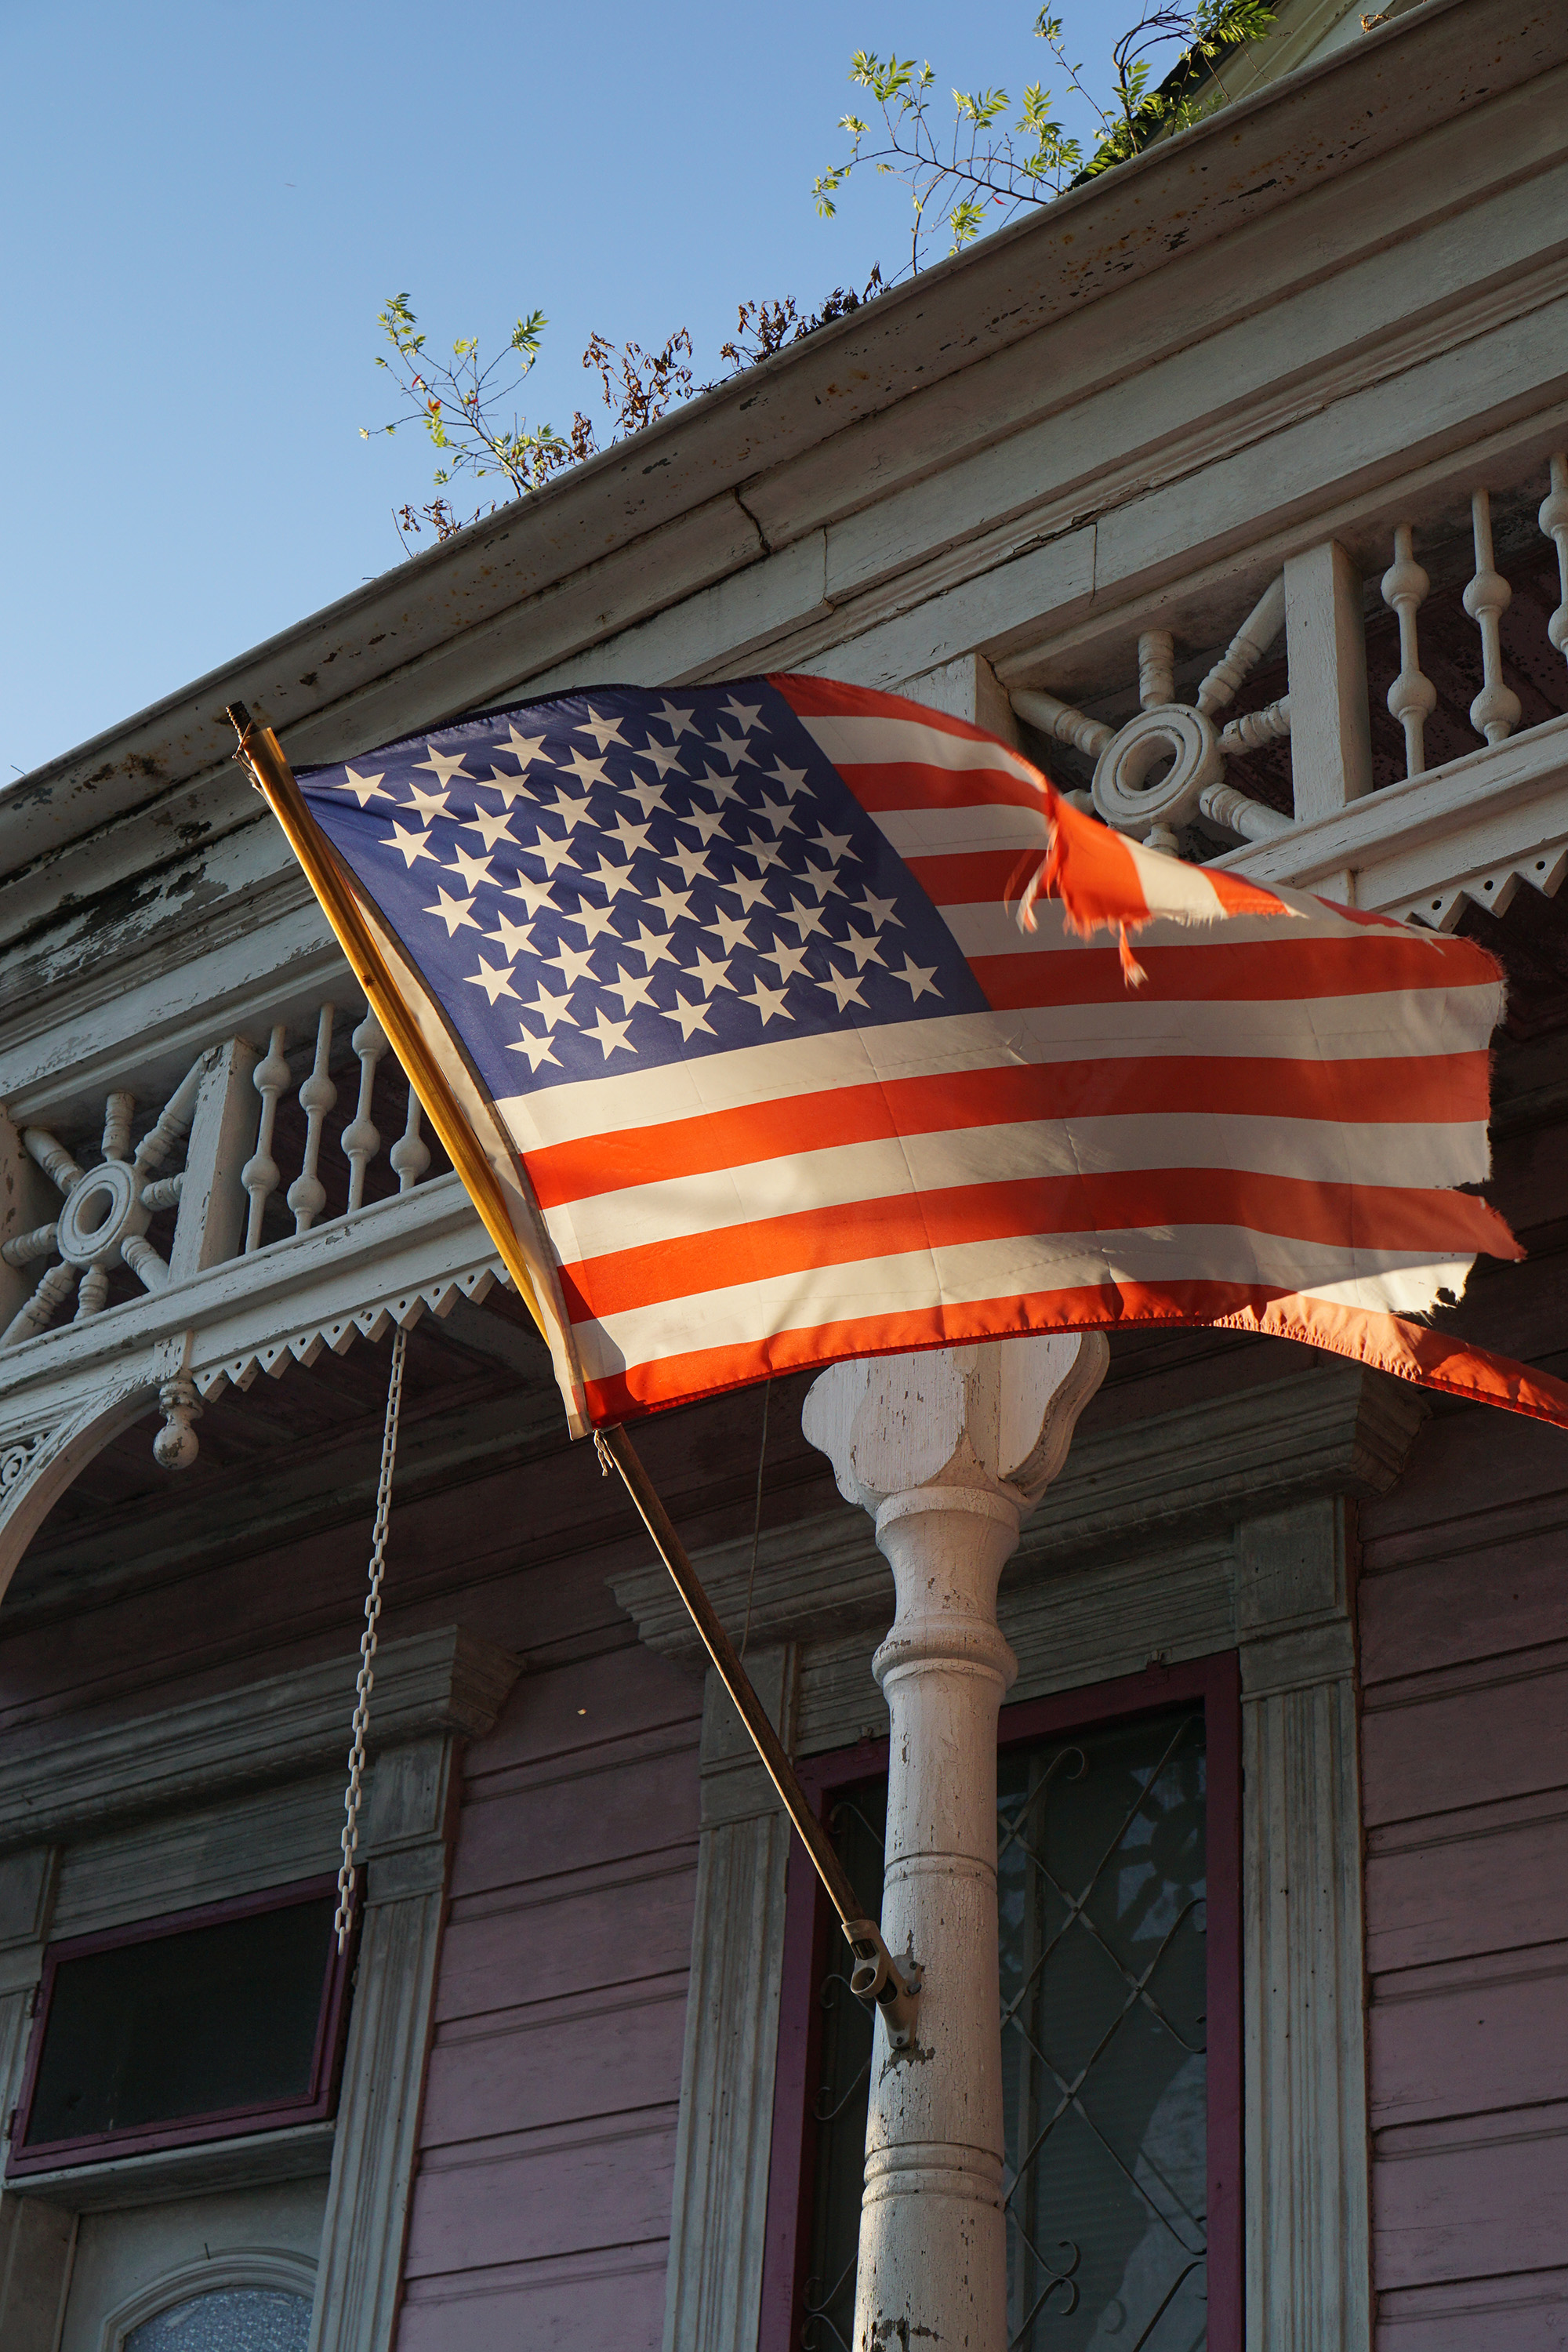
[542,2210]
[1464,1622]
[542,2207]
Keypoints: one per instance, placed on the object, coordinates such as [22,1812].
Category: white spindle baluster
[1494,713]
[271,1078]
[118,1110]
[1243,815]
[1412,696]
[1553,522]
[361,1137]
[173,1122]
[1060,720]
[145,1261]
[1245,651]
[410,1155]
[1156,672]
[56,1285]
[53,1159]
[1270,725]
[307,1195]
[23,1247]
[91,1293]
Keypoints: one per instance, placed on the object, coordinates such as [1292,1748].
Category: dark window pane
[859,1823]
[1101,1862]
[189,2024]
[1101,1884]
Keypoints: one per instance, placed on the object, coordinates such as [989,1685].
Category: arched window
[226,2319]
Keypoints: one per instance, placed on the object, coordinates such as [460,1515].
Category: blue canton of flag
[600,883]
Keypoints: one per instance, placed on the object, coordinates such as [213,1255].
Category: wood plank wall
[541,2206]
[1463,1608]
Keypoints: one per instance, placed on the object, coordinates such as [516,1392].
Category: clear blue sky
[206,205]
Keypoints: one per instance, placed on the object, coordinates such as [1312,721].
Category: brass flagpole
[876,1977]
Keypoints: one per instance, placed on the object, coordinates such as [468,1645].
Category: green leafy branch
[457,403]
[982,170]
[460,404]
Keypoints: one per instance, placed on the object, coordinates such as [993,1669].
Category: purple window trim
[228,2123]
[809,1927]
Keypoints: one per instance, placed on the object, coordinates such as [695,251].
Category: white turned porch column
[949,1451]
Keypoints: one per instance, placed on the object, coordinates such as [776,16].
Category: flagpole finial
[239,719]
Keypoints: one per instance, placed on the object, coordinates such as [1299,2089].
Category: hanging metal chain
[366,1684]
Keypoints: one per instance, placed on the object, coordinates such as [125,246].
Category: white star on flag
[693,863]
[632,987]
[493,982]
[768,1001]
[919,983]
[671,904]
[552,1009]
[413,845]
[691,1016]
[554,853]
[842,986]
[524,748]
[516,939]
[648,797]
[608,1035]
[712,975]
[587,771]
[490,826]
[363,788]
[426,803]
[790,961]
[603,731]
[536,896]
[595,921]
[441,763]
[654,947]
[572,963]
[733,930]
[454,913]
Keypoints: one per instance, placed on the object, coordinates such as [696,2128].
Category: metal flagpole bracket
[886,1986]
[883,1983]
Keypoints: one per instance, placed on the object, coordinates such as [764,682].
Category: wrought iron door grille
[1101,1887]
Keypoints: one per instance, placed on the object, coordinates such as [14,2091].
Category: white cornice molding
[1336,1430]
[447,1680]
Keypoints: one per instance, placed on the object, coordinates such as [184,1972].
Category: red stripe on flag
[1347,1216]
[1211,969]
[907,784]
[1436,1090]
[828,698]
[1428,1357]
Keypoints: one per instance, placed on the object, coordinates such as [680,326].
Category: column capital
[997,1416]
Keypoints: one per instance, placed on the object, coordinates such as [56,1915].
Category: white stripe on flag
[1399,1026]
[713,1199]
[878,742]
[916,1280]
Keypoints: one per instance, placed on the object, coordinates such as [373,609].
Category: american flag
[737,972]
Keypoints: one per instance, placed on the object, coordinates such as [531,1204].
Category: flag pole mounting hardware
[889,1987]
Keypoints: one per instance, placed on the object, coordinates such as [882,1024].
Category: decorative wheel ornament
[102,1224]
[1166,765]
